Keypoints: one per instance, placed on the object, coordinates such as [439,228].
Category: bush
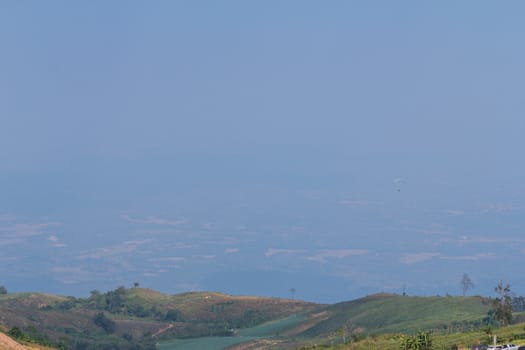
[15,332]
[115,300]
[420,341]
[172,315]
[104,322]
[128,337]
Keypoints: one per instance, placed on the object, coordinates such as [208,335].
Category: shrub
[128,337]
[172,315]
[104,322]
[15,332]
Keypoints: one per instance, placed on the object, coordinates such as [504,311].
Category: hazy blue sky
[340,148]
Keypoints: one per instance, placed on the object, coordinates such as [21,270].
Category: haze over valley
[261,148]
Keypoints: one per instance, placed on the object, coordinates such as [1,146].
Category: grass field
[461,340]
[395,313]
[265,330]
[440,340]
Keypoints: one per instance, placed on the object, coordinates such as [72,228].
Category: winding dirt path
[160,331]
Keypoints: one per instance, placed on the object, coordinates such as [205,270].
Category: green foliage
[420,341]
[138,310]
[15,333]
[104,322]
[3,290]
[128,337]
[115,300]
[518,303]
[503,304]
[32,335]
[172,315]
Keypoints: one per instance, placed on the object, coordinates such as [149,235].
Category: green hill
[138,318]
[390,313]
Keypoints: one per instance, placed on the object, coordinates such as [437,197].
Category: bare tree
[503,303]
[292,291]
[466,283]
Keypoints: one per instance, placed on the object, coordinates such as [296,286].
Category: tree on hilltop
[466,283]
[503,304]
[292,291]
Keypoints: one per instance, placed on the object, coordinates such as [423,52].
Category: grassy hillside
[268,330]
[136,318]
[440,341]
[140,318]
[389,313]
[362,321]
